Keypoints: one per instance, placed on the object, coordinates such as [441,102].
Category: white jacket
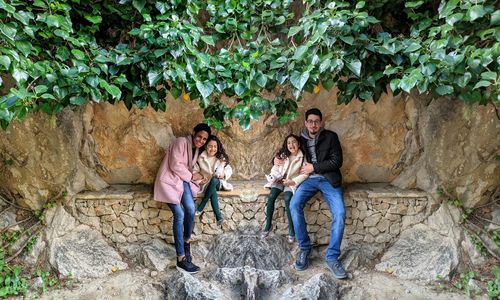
[204,167]
[292,170]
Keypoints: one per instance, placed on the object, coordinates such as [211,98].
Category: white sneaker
[197,213]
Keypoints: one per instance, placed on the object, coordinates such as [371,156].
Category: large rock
[36,160]
[320,286]
[157,254]
[182,285]
[457,149]
[129,144]
[421,253]
[77,249]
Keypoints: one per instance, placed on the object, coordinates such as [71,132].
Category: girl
[291,180]
[213,166]
[174,184]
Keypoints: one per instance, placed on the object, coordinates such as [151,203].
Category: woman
[213,165]
[175,186]
[288,184]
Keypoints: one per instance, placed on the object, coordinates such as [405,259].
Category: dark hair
[202,127]
[314,111]
[221,153]
[284,149]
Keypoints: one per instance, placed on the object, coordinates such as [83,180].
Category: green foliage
[65,53]
[11,280]
[493,286]
[479,245]
[463,282]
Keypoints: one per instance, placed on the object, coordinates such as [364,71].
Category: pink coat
[176,167]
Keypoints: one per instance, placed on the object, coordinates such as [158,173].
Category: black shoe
[302,260]
[187,251]
[187,266]
[337,269]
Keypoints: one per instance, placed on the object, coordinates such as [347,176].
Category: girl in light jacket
[213,165]
[291,180]
[174,185]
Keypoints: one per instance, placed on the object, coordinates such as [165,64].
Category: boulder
[320,286]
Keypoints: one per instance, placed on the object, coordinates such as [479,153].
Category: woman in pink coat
[175,186]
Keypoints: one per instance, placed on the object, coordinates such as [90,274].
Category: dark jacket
[328,154]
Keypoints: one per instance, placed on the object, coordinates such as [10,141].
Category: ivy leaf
[5,62]
[355,66]
[489,76]
[294,30]
[444,90]
[299,52]
[412,47]
[40,89]
[138,4]
[298,79]
[176,93]
[261,79]
[113,90]
[78,54]
[19,75]
[205,88]
[77,100]
[208,39]
[482,83]
[94,19]
[476,12]
[153,77]
[240,88]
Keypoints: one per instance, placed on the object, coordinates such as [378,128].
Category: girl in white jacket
[288,184]
[213,165]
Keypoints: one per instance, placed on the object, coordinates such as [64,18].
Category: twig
[476,235]
[487,220]
[7,260]
[17,223]
[3,197]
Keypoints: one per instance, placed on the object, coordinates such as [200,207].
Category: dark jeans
[183,219]
[211,193]
[334,199]
[270,209]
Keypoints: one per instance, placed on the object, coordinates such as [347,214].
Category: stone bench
[375,213]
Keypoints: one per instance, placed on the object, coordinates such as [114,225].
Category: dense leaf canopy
[227,53]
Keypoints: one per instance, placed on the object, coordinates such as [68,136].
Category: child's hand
[197,177]
[288,182]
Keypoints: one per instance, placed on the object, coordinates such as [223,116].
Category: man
[324,159]
[175,185]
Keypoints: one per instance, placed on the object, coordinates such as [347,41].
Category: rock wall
[375,213]
[411,142]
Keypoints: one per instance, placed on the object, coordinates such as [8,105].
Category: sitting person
[214,168]
[291,178]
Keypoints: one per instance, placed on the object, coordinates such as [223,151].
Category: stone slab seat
[375,212]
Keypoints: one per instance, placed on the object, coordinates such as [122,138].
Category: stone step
[375,212]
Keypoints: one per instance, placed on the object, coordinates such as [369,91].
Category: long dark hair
[221,153]
[284,148]
[283,152]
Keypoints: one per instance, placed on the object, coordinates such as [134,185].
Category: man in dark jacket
[324,159]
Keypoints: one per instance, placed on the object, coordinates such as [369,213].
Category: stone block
[154,221]
[103,210]
[107,230]
[128,220]
[153,212]
[368,238]
[118,226]
[127,231]
[323,219]
[383,225]
[394,229]
[165,214]
[372,220]
[373,231]
[118,238]
[132,238]
[383,238]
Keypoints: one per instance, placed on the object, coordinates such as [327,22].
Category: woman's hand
[197,177]
[288,182]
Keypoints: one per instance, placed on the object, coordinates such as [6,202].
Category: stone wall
[375,213]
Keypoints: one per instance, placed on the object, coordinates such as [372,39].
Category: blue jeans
[334,199]
[183,219]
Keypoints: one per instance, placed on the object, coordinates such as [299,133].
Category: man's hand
[307,168]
